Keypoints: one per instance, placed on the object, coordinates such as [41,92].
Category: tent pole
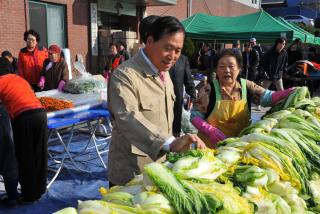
[189,8]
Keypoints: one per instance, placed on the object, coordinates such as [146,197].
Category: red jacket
[30,63]
[16,95]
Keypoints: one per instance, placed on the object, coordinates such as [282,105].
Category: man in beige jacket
[141,101]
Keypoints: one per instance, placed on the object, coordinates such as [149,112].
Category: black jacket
[181,77]
[125,54]
[294,56]
[275,64]
[206,59]
[252,66]
[8,162]
[259,50]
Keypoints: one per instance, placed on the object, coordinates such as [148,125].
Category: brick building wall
[211,7]
[13,23]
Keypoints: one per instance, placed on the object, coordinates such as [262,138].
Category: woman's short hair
[33,33]
[297,42]
[5,67]
[112,44]
[6,53]
[227,52]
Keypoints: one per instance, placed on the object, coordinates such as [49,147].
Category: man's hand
[184,143]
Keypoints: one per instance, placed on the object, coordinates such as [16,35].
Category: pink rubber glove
[61,85]
[106,74]
[214,134]
[279,95]
[41,82]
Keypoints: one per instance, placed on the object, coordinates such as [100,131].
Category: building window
[254,1]
[50,21]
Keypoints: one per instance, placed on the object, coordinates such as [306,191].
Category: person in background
[295,52]
[122,50]
[250,62]
[30,132]
[31,58]
[222,108]
[141,98]
[236,47]
[113,61]
[181,78]
[12,60]
[206,60]
[55,72]
[255,46]
[274,64]
[8,161]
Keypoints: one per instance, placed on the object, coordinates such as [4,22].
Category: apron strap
[243,89]
[217,89]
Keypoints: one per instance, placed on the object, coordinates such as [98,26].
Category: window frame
[65,33]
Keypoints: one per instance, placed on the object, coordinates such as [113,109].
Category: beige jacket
[142,109]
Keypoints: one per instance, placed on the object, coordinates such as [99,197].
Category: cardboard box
[125,35]
[104,33]
[105,40]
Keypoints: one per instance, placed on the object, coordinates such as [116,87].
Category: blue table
[71,120]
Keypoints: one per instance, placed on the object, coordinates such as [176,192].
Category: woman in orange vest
[222,108]
[31,58]
[112,61]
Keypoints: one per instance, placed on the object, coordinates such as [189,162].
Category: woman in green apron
[222,108]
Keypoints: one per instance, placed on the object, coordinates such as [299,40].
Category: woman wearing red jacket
[30,134]
[31,59]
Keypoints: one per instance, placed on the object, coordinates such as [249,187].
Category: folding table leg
[66,150]
[56,174]
[92,131]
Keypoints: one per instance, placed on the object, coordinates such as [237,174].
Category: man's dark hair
[145,27]
[5,67]
[165,25]
[6,53]
[33,33]
[227,52]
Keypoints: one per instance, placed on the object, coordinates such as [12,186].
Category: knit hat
[253,39]
[236,42]
[54,49]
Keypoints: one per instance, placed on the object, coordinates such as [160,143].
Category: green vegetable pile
[83,85]
[272,167]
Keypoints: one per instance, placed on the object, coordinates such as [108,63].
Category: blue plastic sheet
[71,185]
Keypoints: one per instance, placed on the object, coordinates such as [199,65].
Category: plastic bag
[186,124]
[84,83]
